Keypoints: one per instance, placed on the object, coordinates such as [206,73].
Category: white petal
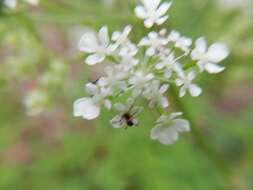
[94,59]
[119,106]
[91,88]
[144,42]
[140,12]
[155,133]
[168,73]
[217,52]
[164,102]
[181,125]
[164,8]
[79,105]
[116,35]
[151,4]
[104,36]
[149,76]
[182,91]
[164,88]
[88,43]
[191,75]
[102,81]
[162,20]
[174,115]
[108,104]
[162,119]
[150,51]
[179,82]
[84,107]
[160,65]
[213,68]
[201,65]
[201,45]
[148,23]
[195,90]
[168,136]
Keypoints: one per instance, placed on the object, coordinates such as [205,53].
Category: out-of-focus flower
[235,4]
[167,128]
[12,4]
[36,102]
[208,58]
[152,12]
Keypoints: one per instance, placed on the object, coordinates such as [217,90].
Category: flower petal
[94,59]
[195,90]
[84,107]
[168,136]
[148,23]
[88,43]
[161,20]
[213,68]
[164,8]
[155,133]
[181,125]
[217,52]
[104,36]
[140,12]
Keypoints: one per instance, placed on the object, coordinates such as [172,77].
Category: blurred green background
[55,151]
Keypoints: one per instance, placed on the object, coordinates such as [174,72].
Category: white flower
[154,42]
[12,4]
[127,54]
[113,79]
[89,107]
[127,115]
[184,43]
[167,128]
[139,80]
[154,94]
[208,58]
[152,12]
[179,41]
[121,37]
[174,36]
[185,81]
[98,45]
[168,64]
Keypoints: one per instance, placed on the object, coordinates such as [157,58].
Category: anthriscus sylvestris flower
[144,71]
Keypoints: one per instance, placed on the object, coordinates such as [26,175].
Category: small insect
[128,118]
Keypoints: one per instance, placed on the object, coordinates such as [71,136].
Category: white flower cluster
[38,99]
[12,4]
[145,71]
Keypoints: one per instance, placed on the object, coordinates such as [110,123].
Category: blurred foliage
[55,151]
